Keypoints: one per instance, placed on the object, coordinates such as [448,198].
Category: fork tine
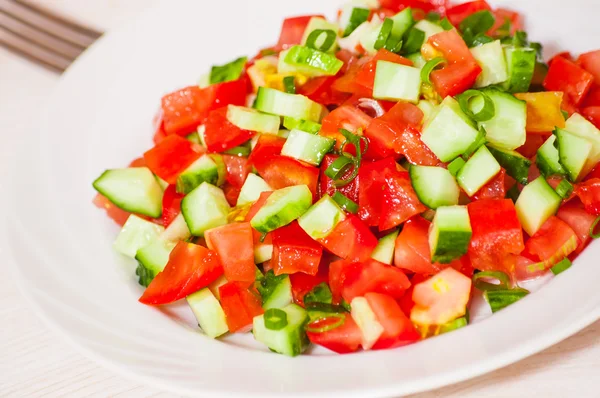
[49,23]
[32,51]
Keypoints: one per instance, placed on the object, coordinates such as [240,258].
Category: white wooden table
[34,362]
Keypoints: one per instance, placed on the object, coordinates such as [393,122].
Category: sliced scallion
[289,84]
[499,299]
[429,67]
[564,189]
[228,72]
[345,203]
[501,277]
[315,327]
[446,24]
[455,166]
[329,40]
[319,294]
[393,44]
[487,111]
[339,167]
[357,18]
[478,22]
[562,266]
[275,319]
[414,41]
[384,33]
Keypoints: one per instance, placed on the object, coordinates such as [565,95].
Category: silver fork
[42,36]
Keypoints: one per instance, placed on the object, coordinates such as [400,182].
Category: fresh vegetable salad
[356,184]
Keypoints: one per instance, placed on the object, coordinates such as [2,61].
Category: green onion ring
[429,67]
[275,319]
[311,41]
[486,113]
[486,286]
[341,320]
[384,33]
[338,168]
[345,203]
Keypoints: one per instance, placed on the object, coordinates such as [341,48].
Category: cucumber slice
[449,133]
[251,190]
[290,340]
[204,208]
[417,60]
[490,57]
[521,65]
[308,61]
[536,204]
[478,171]
[282,207]
[581,127]
[207,168]
[368,35]
[547,159]
[135,234]
[321,218]
[208,312]
[177,230]
[276,102]
[573,152]
[429,28]
[275,291]
[434,186]
[384,251]
[450,234]
[352,17]
[262,253]
[214,287]
[367,322]
[291,123]
[507,128]
[253,120]
[152,259]
[395,82]
[428,108]
[133,189]
[516,165]
[318,23]
[403,21]
[309,148]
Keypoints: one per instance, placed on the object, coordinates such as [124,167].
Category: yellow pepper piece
[543,111]
[276,80]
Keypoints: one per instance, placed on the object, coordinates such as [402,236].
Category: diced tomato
[184,110]
[366,75]
[579,220]
[343,339]
[532,144]
[238,169]
[497,234]
[543,111]
[347,82]
[462,69]
[423,5]
[320,90]
[591,62]
[159,134]
[554,241]
[234,245]
[412,251]
[171,204]
[406,302]
[595,173]
[355,279]
[441,298]
[190,268]
[495,189]
[327,185]
[399,201]
[592,113]
[118,215]
[345,117]
[404,113]
[295,251]
[566,76]
[256,206]
[267,147]
[171,157]
[370,191]
[303,283]
[351,239]
[457,13]
[231,192]
[502,15]
[241,303]
[281,172]
[589,193]
[292,31]
[592,99]
[525,269]
[397,327]
[221,135]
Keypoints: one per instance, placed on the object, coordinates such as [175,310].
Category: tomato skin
[366,75]
[234,245]
[327,185]
[303,283]
[399,200]
[238,169]
[532,144]
[579,220]
[171,205]
[320,90]
[232,193]
[256,206]
[590,61]
[355,279]
[501,15]
[495,189]
[171,157]
[343,340]
[118,215]
[190,268]
[292,31]
[589,193]
[457,13]
[592,113]
[497,234]
[566,76]
[345,117]
[370,189]
[281,172]
[553,242]
[294,251]
[241,303]
[398,330]
[220,134]
[267,147]
[351,239]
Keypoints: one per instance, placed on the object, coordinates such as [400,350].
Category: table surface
[36,362]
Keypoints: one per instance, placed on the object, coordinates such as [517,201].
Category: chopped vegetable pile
[356,184]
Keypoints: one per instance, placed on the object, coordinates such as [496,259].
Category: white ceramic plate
[100,117]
